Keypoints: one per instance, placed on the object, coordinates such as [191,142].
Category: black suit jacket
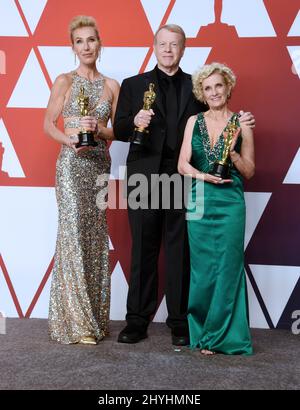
[146,159]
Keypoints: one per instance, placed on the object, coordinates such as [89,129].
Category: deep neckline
[221,135]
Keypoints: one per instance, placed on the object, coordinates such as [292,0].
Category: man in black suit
[158,156]
[166,120]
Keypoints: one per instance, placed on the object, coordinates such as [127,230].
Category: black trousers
[149,227]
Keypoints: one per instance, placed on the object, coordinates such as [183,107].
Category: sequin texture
[80,288]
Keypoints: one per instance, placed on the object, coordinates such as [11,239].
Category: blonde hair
[83,21]
[174,28]
[207,70]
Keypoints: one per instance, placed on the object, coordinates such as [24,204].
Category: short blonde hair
[174,28]
[207,70]
[83,21]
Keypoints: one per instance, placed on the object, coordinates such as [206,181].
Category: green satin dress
[218,309]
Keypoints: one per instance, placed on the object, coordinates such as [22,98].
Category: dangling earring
[75,62]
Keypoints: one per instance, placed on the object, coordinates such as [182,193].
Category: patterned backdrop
[259,39]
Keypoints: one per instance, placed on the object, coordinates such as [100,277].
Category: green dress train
[217,310]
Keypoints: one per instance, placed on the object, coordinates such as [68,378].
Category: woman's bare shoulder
[112,83]
[63,81]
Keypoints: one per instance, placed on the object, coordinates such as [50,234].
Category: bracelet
[72,139]
[99,133]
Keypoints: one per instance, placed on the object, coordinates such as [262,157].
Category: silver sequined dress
[80,288]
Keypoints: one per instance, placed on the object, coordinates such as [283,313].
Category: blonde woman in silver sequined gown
[80,288]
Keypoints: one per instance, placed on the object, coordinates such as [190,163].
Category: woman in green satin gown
[217,311]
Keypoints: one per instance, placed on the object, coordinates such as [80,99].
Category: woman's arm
[184,166]
[54,109]
[244,162]
[105,132]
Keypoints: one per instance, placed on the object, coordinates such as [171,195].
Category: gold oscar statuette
[140,133]
[221,168]
[85,137]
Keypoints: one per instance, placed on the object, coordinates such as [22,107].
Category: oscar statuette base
[138,136]
[221,170]
[86,139]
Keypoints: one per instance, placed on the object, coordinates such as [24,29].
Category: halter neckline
[100,77]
